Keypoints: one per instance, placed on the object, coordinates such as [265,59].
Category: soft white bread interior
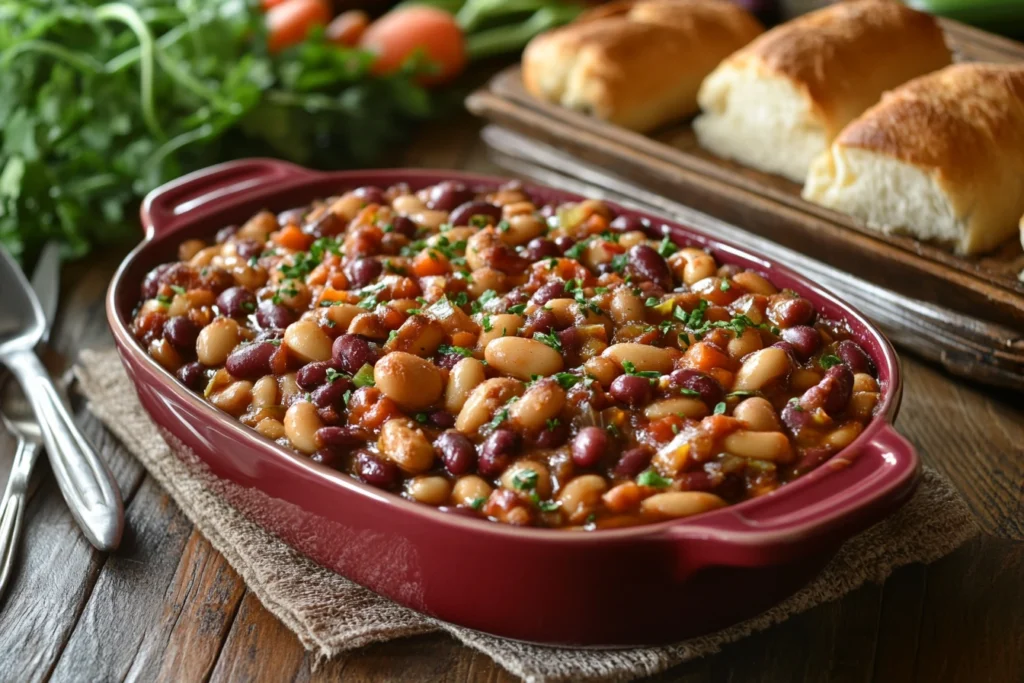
[636,64]
[941,158]
[776,104]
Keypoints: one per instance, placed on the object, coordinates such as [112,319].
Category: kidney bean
[464,214]
[795,416]
[645,262]
[274,316]
[151,283]
[371,194]
[831,394]
[571,341]
[552,438]
[564,243]
[442,419]
[225,233]
[339,438]
[192,375]
[841,388]
[182,333]
[542,320]
[327,457]
[331,393]
[631,390]
[215,279]
[555,289]
[855,357]
[496,452]
[540,248]
[633,462]
[403,226]
[312,375]
[448,360]
[325,225]
[805,341]
[791,312]
[447,195]
[352,352]
[456,452]
[812,458]
[376,471]
[250,361]
[246,249]
[363,271]
[711,392]
[236,302]
[589,446]
[624,223]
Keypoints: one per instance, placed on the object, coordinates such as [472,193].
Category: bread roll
[941,158]
[636,64]
[777,103]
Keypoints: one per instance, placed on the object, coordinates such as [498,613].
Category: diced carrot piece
[292,237]
[663,429]
[705,357]
[464,339]
[430,262]
[724,377]
[318,275]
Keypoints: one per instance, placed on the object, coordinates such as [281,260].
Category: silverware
[19,421]
[86,483]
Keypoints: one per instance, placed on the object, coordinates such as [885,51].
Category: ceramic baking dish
[642,585]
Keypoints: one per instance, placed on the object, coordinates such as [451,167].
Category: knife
[46,283]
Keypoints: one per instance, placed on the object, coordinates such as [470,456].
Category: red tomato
[289,22]
[400,33]
[348,27]
[267,4]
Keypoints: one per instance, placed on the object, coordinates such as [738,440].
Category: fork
[20,422]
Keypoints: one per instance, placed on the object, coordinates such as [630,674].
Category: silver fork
[20,422]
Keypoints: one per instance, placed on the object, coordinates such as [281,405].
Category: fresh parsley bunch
[100,102]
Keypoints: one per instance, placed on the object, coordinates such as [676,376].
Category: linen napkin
[331,614]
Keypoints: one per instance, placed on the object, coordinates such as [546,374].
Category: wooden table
[167,606]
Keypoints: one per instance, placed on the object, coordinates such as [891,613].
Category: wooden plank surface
[167,607]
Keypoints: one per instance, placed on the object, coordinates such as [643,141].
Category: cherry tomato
[398,34]
[348,27]
[289,22]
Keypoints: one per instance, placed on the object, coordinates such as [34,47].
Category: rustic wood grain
[167,607]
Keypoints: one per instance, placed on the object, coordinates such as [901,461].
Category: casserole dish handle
[858,492]
[193,196]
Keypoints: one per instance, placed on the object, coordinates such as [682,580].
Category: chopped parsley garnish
[503,226]
[795,402]
[364,378]
[689,392]
[478,305]
[548,505]
[550,339]
[740,393]
[613,430]
[346,396]
[524,480]
[333,375]
[553,423]
[498,419]
[725,286]
[460,350]
[392,336]
[566,380]
[720,408]
[322,245]
[666,247]
[518,309]
[630,369]
[164,299]
[177,290]
[653,479]
[651,302]
[576,250]
[486,322]
[619,262]
[476,503]
[479,220]
[421,418]
[827,361]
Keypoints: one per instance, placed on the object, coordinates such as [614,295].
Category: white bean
[761,368]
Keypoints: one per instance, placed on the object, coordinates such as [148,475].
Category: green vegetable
[364,377]
[102,102]
[653,479]
[829,360]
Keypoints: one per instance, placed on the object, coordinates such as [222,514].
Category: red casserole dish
[642,585]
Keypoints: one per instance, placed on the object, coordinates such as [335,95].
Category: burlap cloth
[330,614]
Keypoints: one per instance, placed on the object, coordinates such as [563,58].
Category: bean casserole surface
[544,365]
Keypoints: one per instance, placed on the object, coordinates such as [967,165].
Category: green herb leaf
[827,361]
[364,377]
[549,339]
[476,503]
[653,479]
[720,408]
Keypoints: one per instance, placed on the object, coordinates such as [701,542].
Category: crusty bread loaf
[777,103]
[636,64]
[941,158]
